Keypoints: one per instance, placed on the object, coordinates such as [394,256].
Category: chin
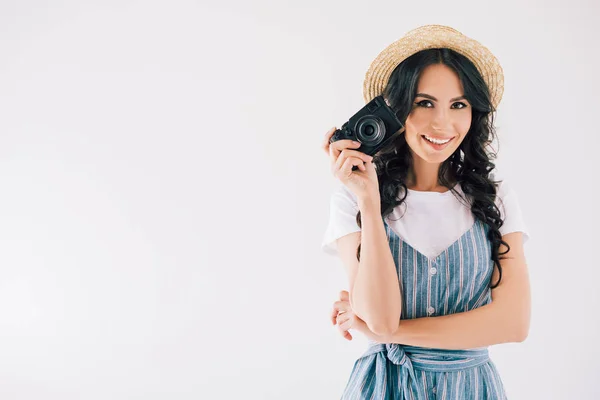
[437,157]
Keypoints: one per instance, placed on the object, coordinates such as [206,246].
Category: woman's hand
[363,182]
[344,317]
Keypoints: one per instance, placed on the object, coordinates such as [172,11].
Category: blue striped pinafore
[455,281]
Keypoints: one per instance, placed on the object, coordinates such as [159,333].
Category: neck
[423,177]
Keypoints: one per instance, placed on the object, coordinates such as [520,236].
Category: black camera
[372,126]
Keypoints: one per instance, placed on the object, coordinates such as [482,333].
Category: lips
[436,146]
[438,137]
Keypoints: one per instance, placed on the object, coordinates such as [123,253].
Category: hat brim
[431,37]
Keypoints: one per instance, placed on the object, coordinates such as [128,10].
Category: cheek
[414,126]
[417,121]
[463,124]
[421,122]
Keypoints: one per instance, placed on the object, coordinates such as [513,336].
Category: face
[440,114]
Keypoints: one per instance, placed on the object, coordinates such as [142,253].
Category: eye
[428,104]
[422,103]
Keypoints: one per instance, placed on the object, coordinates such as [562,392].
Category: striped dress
[456,280]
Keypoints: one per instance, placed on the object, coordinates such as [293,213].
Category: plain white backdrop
[164,194]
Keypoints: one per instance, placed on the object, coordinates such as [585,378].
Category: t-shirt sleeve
[343,208]
[510,211]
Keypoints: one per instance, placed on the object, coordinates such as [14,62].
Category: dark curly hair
[470,165]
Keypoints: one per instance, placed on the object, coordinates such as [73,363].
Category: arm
[375,292]
[505,319]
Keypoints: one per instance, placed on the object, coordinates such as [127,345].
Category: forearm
[483,326]
[375,296]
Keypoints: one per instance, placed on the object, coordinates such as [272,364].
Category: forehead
[439,79]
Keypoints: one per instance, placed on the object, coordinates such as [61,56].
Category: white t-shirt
[428,221]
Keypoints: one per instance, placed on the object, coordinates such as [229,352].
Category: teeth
[436,141]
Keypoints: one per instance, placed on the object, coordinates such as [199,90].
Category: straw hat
[429,37]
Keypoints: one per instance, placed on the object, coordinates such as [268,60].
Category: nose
[441,119]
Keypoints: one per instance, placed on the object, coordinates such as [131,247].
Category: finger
[328,135]
[339,328]
[334,314]
[347,335]
[338,146]
[332,158]
[345,295]
[346,324]
[342,144]
[346,167]
[349,153]
[339,307]
[337,317]
[338,166]
[341,318]
[343,330]
[342,306]
[337,156]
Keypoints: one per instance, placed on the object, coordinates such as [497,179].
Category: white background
[164,195]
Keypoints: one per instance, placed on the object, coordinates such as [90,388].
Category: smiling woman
[435,128]
[438,234]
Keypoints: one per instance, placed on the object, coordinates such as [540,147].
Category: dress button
[433,270]
[431,310]
[434,390]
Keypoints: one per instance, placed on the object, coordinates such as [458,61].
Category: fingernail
[355,142]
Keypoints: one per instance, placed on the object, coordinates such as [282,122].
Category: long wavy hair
[471,165]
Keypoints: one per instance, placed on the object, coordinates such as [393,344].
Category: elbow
[381,330]
[514,323]
[521,331]
[521,334]
[378,324]
[384,328]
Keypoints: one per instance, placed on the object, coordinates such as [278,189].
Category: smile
[436,144]
[437,141]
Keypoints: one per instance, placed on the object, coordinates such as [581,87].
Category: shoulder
[342,217]
[509,206]
[502,185]
[505,192]
[344,197]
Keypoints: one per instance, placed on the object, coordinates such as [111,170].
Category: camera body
[372,126]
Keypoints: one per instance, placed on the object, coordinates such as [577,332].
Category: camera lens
[370,130]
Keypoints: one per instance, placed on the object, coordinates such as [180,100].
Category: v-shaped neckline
[443,251]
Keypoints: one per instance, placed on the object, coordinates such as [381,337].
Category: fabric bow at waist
[409,358]
[435,360]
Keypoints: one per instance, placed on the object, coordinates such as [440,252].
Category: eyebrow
[428,96]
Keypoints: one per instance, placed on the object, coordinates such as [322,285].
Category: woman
[432,243]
